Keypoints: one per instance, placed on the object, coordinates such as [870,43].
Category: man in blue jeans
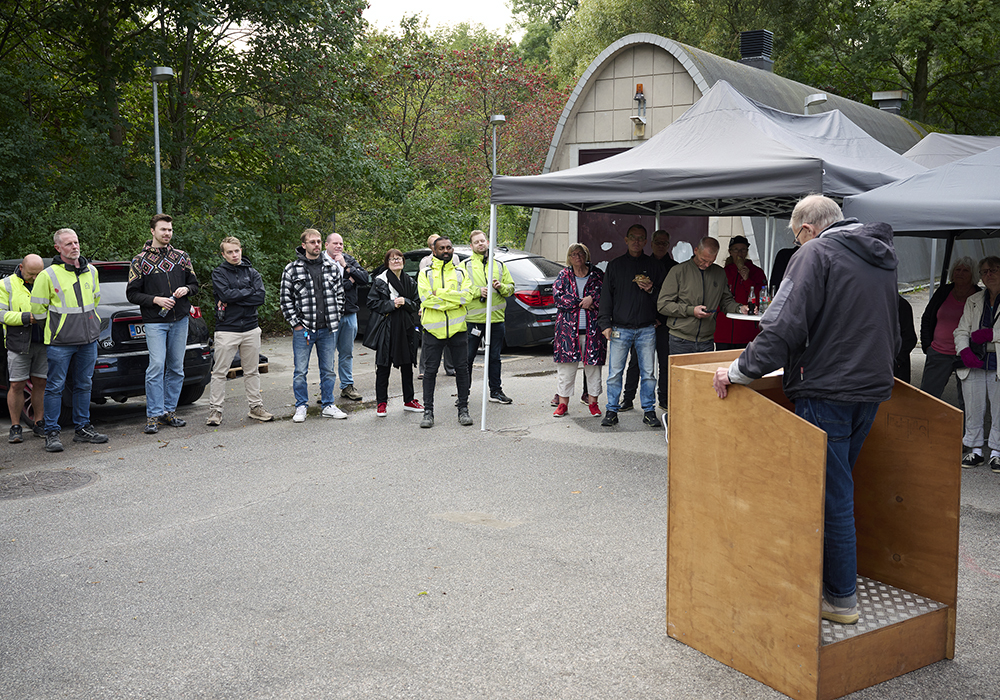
[353,275]
[312,297]
[64,298]
[628,319]
[833,326]
[161,281]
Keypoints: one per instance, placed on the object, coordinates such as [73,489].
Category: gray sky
[493,14]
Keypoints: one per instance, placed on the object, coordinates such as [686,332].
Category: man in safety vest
[501,285]
[445,288]
[65,297]
[26,353]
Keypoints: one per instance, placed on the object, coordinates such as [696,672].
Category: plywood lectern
[745,534]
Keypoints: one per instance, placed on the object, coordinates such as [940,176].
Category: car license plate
[137,330]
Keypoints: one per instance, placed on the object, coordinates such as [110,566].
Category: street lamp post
[159,74]
[495,121]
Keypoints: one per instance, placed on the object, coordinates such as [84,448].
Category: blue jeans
[846,426]
[644,341]
[346,333]
[496,343]
[165,374]
[60,357]
[325,341]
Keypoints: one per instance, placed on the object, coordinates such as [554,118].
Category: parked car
[531,310]
[122,357]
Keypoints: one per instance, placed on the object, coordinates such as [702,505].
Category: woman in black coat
[394,303]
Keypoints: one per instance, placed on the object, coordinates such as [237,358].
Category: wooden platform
[745,534]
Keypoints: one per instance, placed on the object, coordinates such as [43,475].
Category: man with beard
[445,289]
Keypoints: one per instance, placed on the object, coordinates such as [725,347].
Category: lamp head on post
[162,74]
[817,98]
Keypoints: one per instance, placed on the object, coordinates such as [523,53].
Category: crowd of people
[631,316]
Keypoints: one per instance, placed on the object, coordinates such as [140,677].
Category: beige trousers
[226,345]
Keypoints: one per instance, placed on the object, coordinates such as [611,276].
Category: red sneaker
[585,398]
[413,406]
[560,411]
[381,410]
[595,410]
[555,400]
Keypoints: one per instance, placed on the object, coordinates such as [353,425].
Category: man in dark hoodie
[238,291]
[64,300]
[161,281]
[833,326]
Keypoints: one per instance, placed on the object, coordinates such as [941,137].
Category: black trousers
[382,382]
[433,349]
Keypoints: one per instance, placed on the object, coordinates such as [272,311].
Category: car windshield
[533,268]
[113,278]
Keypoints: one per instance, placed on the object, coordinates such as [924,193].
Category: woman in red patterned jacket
[577,292]
[742,276]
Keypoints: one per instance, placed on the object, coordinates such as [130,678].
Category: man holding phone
[690,296]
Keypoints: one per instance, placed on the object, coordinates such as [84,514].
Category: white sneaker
[300,414]
[332,411]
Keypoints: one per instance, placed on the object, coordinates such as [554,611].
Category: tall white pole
[158,74]
[156,149]
[489,278]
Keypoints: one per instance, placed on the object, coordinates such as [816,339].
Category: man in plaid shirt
[312,300]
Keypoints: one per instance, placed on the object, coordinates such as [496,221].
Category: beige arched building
[597,122]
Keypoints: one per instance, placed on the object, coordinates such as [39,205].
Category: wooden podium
[745,534]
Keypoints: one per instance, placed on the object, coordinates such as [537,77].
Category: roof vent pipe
[890,100]
[755,49]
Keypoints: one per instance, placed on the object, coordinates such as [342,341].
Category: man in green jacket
[691,294]
[26,354]
[501,285]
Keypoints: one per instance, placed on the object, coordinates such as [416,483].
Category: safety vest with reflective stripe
[444,289]
[15,301]
[67,302]
[476,310]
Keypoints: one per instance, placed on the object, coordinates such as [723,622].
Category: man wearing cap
[745,280]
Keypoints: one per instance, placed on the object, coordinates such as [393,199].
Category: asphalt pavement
[367,558]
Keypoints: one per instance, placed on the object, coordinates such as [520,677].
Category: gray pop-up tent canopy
[729,156]
[937,149]
[958,200]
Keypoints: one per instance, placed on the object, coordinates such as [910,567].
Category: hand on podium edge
[721,382]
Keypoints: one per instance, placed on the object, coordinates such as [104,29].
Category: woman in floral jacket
[577,292]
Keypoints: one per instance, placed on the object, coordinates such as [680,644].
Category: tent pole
[657,226]
[949,246]
[933,264]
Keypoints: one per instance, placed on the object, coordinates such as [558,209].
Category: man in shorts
[26,353]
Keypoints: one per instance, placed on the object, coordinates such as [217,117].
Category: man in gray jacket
[833,326]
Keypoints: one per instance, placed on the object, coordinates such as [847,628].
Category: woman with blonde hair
[577,292]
